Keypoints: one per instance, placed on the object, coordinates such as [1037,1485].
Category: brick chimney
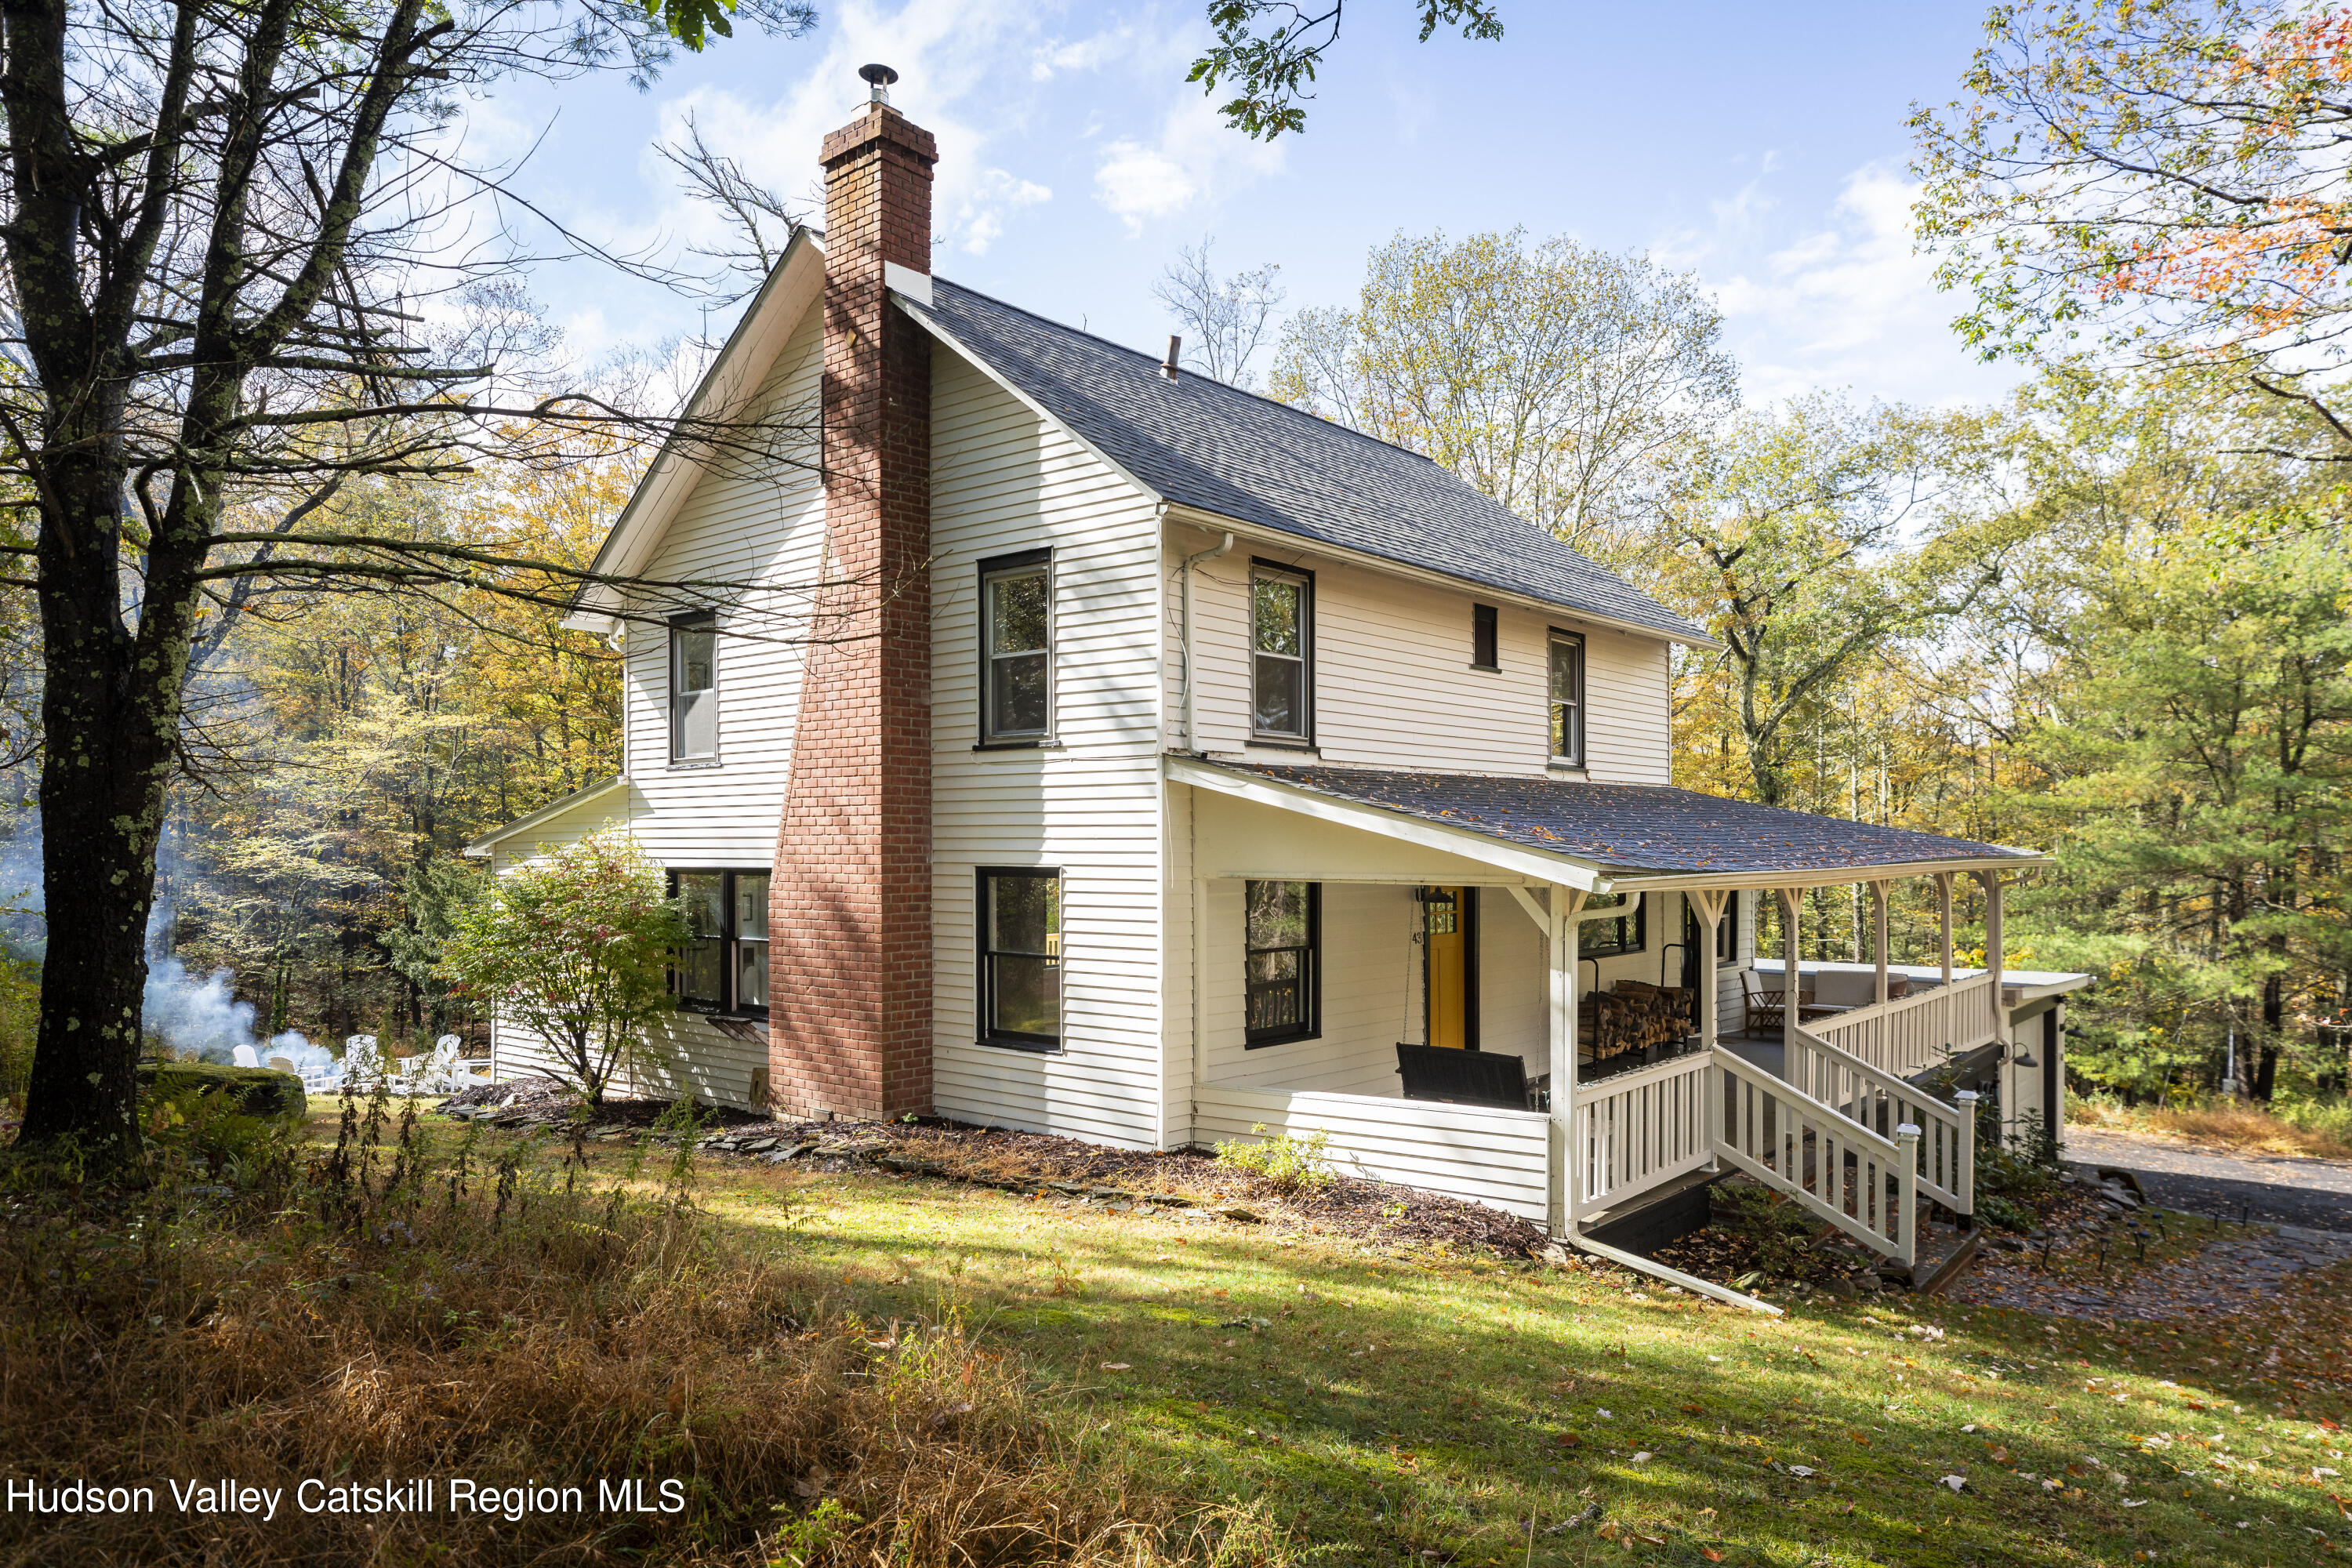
[850,904]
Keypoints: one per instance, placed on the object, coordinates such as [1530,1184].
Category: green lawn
[1384,1408]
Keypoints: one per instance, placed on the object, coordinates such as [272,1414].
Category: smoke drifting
[200,1017]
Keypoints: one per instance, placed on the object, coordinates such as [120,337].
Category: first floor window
[693,687]
[723,967]
[1017,648]
[1282,924]
[1567,697]
[1624,931]
[1282,634]
[1021,958]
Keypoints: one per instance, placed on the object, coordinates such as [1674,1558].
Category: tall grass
[2311,1127]
[414,1304]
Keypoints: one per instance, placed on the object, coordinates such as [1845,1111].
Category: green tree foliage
[1272,48]
[2150,178]
[575,948]
[1564,382]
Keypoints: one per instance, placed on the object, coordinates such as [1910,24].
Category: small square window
[1484,651]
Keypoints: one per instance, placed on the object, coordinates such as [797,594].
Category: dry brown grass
[489,1314]
[2220,1124]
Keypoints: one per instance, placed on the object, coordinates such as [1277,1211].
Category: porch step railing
[1835,1167]
[1911,1034]
[1640,1130]
[1881,1102]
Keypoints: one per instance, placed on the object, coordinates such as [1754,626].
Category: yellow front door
[1447,968]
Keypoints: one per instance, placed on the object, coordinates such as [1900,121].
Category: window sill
[1034,1047]
[1283,744]
[693,764]
[1488,668]
[1249,1044]
[1048,744]
[1557,766]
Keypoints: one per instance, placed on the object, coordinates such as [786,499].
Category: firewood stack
[1632,1014]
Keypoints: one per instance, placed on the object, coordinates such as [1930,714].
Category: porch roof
[1638,833]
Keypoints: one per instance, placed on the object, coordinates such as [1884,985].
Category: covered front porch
[1542,996]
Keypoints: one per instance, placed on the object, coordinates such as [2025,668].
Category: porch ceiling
[1624,836]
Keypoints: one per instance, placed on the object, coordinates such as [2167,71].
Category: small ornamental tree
[575,948]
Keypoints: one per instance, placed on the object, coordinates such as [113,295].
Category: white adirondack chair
[244,1056]
[362,1063]
[448,1072]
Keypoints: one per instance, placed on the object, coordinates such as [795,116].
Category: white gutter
[1215,553]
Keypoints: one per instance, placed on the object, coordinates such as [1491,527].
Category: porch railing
[1838,1168]
[1635,1130]
[1883,1102]
[1911,1034]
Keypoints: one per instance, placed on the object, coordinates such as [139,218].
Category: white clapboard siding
[759,521]
[1370,995]
[1177,976]
[1490,1156]
[1394,685]
[687,1051]
[1003,482]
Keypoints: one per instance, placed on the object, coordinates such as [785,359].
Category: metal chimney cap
[879,78]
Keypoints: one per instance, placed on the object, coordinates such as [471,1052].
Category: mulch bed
[1374,1212]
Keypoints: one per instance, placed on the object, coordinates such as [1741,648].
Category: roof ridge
[1290,409]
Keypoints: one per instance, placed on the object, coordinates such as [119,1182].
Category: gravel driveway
[2276,1188]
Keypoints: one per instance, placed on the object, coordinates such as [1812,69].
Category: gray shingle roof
[1203,444]
[1633,829]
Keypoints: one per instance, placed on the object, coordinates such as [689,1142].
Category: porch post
[1707,903]
[1790,898]
[1944,903]
[1565,903]
[1878,892]
[1991,881]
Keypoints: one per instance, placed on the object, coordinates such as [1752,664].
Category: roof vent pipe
[1175,351]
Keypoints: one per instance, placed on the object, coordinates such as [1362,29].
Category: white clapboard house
[1172,763]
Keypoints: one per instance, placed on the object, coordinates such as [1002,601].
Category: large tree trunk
[112,719]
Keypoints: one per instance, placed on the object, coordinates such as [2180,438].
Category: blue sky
[1761,146]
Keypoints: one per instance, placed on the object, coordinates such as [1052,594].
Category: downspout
[1215,552]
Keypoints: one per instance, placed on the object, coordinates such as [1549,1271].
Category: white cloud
[1086,55]
[1844,300]
[979,217]
[1195,159]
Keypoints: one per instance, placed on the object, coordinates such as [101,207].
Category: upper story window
[1486,650]
[1626,932]
[1283,943]
[723,967]
[1021,958]
[1568,698]
[1282,653]
[693,687]
[1016,677]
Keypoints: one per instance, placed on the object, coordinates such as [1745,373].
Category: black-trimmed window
[1021,958]
[723,965]
[693,687]
[1282,926]
[1567,698]
[1016,649]
[1485,642]
[1727,931]
[1282,653]
[1627,932]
